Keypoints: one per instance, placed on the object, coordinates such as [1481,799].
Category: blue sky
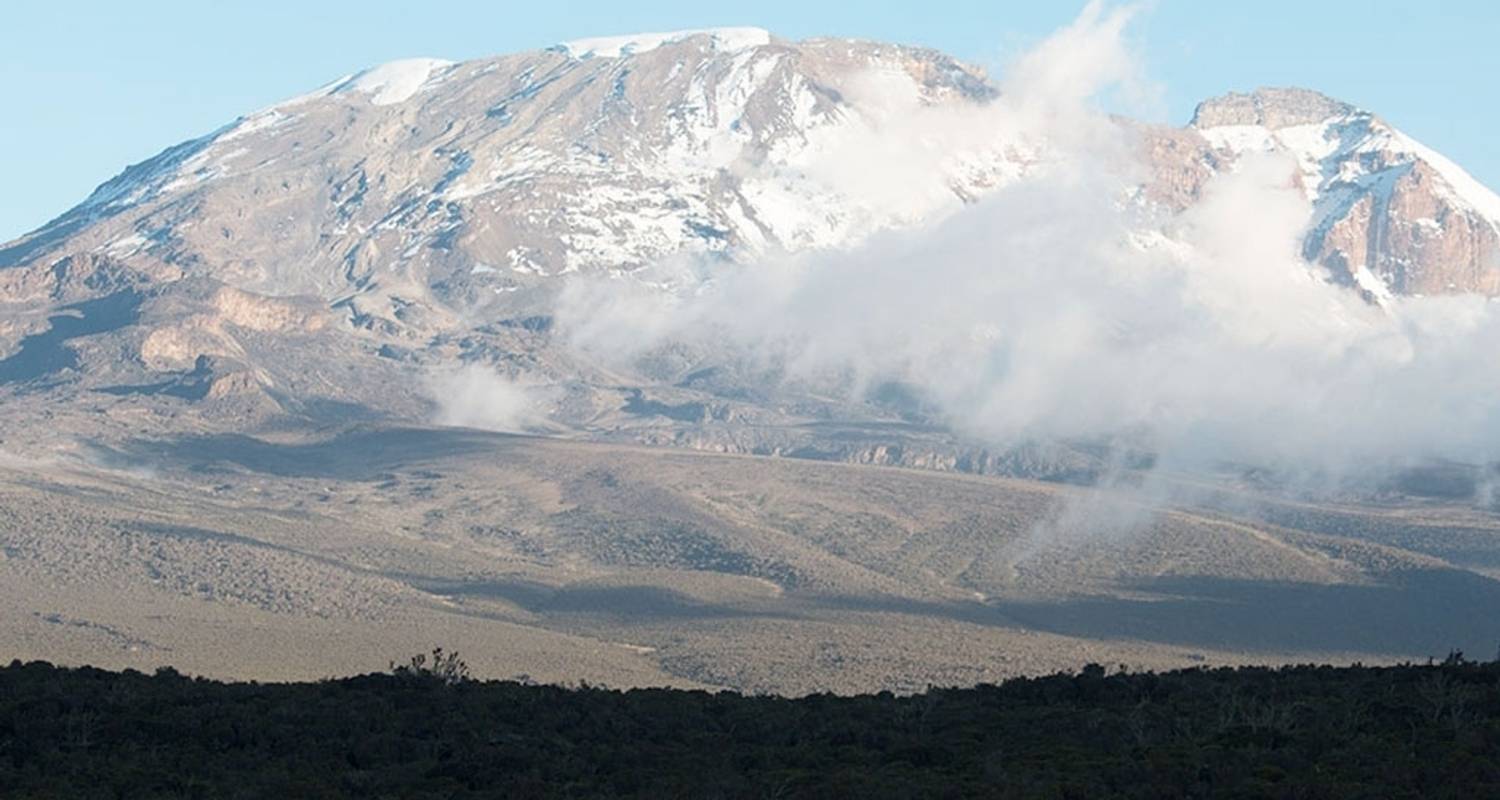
[89,87]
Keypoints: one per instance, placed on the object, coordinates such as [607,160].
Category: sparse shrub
[443,667]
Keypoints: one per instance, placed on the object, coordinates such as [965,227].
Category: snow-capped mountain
[319,255]
[426,180]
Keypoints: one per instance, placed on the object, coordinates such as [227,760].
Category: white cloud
[476,396]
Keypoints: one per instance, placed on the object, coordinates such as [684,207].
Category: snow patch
[393,82]
[1374,285]
[522,262]
[266,120]
[723,40]
[126,246]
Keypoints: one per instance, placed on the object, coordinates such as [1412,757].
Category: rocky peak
[1272,108]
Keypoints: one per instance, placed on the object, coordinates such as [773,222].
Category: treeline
[426,731]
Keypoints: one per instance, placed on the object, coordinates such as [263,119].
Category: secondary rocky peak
[1390,216]
[1270,107]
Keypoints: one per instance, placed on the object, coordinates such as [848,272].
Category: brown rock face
[1180,162]
[1431,247]
[1414,236]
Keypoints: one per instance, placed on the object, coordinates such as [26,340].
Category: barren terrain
[309,555]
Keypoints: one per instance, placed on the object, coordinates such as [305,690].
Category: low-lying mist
[475,396]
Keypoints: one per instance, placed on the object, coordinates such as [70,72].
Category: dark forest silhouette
[426,730]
